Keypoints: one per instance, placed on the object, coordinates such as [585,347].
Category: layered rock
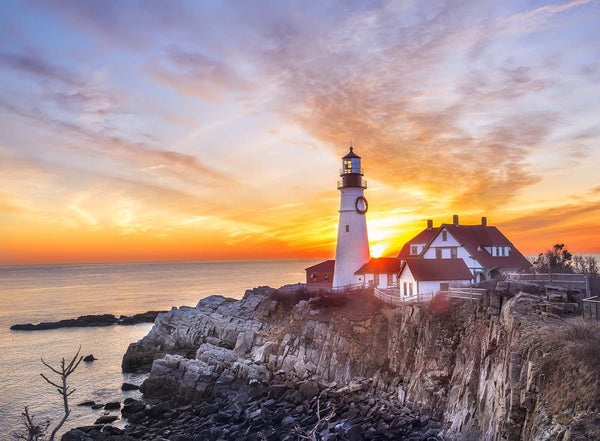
[473,366]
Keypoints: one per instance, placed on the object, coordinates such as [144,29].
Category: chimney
[484,221]
[455,220]
[430,224]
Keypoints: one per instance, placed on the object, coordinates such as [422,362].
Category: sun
[377,250]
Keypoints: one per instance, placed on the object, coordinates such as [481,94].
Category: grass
[571,365]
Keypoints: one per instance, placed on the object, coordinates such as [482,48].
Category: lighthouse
[352,249]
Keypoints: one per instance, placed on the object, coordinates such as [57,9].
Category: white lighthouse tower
[352,249]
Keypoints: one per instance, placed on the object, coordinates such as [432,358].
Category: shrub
[289,299]
[571,365]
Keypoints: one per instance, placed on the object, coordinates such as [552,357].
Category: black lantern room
[351,171]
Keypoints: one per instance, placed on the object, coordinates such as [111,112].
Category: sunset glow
[211,130]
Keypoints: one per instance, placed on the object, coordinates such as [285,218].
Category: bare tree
[62,388]
[33,431]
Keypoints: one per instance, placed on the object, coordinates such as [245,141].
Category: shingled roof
[437,269]
[380,265]
[475,237]
[328,265]
[422,238]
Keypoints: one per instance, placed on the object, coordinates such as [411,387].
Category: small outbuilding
[320,276]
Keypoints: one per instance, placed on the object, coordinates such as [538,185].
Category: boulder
[132,406]
[129,386]
[89,358]
[106,419]
[309,389]
[113,405]
[88,403]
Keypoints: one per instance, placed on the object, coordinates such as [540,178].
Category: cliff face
[477,368]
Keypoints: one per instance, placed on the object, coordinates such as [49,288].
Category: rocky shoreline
[85,321]
[278,412]
[281,367]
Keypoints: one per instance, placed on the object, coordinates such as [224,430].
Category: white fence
[392,296]
[350,287]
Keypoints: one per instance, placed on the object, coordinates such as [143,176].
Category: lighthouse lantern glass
[351,165]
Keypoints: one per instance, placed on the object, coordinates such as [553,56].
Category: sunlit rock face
[476,367]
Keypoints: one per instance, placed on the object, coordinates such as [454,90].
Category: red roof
[437,269]
[423,237]
[475,237]
[381,265]
[328,265]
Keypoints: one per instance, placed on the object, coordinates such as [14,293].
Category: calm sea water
[35,293]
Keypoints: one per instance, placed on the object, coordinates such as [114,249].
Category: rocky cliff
[488,370]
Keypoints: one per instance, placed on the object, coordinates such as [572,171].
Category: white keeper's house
[436,259]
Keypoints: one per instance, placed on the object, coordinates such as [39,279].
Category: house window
[313,276]
[347,228]
[444,286]
[326,276]
[390,280]
[438,253]
[405,291]
[453,252]
[410,289]
[444,235]
[414,249]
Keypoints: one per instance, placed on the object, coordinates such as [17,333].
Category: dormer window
[444,236]
[414,249]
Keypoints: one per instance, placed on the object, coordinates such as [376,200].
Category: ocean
[36,293]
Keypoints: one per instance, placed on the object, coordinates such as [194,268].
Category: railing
[453,293]
[565,280]
[347,171]
[590,308]
[349,287]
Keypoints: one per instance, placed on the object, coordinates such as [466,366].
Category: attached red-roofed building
[485,250]
[381,272]
[427,275]
[320,276]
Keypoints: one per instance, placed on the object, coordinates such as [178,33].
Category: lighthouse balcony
[345,183]
[355,170]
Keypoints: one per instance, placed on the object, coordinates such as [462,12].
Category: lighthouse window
[347,228]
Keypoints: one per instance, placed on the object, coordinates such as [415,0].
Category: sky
[213,130]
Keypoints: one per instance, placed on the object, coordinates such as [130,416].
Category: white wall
[461,253]
[435,285]
[352,249]
[406,277]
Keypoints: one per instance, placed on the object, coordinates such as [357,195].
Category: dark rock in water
[131,406]
[113,405]
[86,403]
[97,406]
[89,358]
[129,386]
[90,320]
[106,419]
[111,430]
[145,317]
